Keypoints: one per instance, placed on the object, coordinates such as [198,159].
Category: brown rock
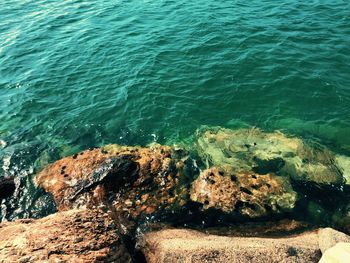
[62,237]
[247,194]
[180,245]
[133,180]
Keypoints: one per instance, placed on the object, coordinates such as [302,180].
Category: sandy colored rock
[344,164]
[340,253]
[252,150]
[247,194]
[180,245]
[71,236]
[328,237]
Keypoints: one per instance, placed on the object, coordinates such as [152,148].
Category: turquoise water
[76,74]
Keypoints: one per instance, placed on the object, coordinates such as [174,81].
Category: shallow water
[77,74]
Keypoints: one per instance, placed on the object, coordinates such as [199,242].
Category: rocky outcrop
[246,194]
[184,245]
[246,174]
[181,245]
[71,236]
[133,180]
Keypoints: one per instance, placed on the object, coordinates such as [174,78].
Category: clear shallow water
[76,74]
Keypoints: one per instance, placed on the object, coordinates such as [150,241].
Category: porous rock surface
[71,236]
[247,194]
[248,173]
[181,245]
[270,152]
[133,180]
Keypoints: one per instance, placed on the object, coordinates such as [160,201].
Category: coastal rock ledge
[91,236]
[184,245]
[70,236]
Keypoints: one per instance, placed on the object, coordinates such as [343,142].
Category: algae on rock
[252,150]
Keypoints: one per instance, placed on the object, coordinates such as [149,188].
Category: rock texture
[180,245]
[246,174]
[133,180]
[246,194]
[262,152]
[340,253]
[329,237]
[183,245]
[71,236]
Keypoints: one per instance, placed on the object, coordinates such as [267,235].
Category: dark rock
[7,187]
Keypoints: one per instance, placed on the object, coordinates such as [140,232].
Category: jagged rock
[181,245]
[71,236]
[132,180]
[252,150]
[247,194]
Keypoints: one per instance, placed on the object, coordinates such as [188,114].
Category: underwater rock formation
[246,194]
[252,150]
[71,236]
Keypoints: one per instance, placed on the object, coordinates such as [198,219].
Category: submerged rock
[252,150]
[344,164]
[71,236]
[246,194]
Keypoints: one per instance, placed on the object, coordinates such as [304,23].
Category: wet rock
[246,194]
[71,236]
[181,245]
[133,180]
[243,148]
[7,187]
[344,165]
[252,150]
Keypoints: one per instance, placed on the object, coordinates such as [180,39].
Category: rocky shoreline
[137,204]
